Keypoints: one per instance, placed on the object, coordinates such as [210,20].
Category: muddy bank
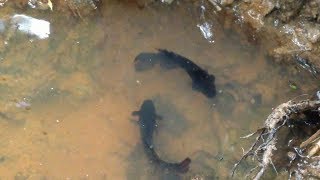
[70,8]
[292,26]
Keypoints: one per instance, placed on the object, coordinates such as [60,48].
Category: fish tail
[183,166]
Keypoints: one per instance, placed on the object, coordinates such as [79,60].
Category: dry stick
[247,153]
[266,159]
[310,139]
[267,154]
[251,170]
[314,149]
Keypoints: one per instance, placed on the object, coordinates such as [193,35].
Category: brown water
[82,88]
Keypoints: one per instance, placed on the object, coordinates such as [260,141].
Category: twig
[315,149]
[310,139]
[267,138]
[247,153]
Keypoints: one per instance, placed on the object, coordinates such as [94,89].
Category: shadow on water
[81,87]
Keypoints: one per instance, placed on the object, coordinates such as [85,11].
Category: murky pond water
[66,101]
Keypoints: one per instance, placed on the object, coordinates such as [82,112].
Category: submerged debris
[23,104]
[303,155]
[2,2]
[31,26]
[205,26]
[293,85]
[25,24]
[167,1]
[304,63]
[41,4]
[79,8]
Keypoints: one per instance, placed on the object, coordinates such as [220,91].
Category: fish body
[201,80]
[147,121]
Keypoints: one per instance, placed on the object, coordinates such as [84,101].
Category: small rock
[31,26]
[291,155]
[318,95]
[167,1]
[252,101]
[23,104]
[313,33]
[41,4]
[226,2]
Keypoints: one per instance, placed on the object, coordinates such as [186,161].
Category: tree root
[266,143]
[310,140]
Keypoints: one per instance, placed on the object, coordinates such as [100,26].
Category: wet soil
[293,26]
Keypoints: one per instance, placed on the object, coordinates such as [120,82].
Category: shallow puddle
[66,101]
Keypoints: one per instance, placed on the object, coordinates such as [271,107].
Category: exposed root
[75,11]
[315,149]
[265,144]
[311,139]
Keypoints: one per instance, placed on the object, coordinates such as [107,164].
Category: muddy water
[66,102]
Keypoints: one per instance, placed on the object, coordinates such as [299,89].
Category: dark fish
[201,80]
[147,121]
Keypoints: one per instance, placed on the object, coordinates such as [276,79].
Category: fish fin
[161,50]
[183,166]
[135,121]
[135,113]
[166,53]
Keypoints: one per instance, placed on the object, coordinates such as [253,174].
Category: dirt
[293,27]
